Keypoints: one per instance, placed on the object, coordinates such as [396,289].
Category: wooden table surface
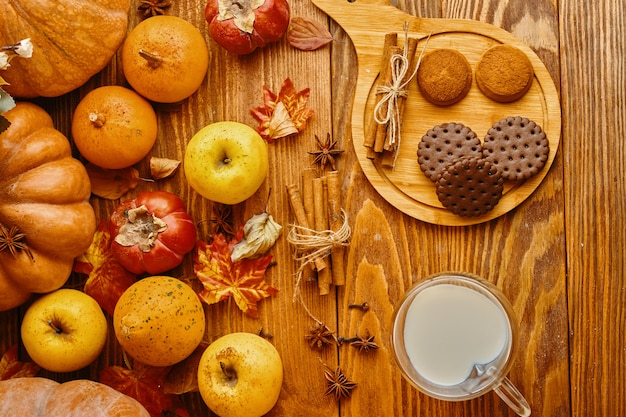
[559,256]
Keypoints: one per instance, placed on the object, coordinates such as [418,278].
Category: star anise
[14,241]
[222,219]
[364,343]
[320,336]
[338,383]
[154,7]
[326,152]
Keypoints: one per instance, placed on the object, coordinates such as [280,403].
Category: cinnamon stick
[384,76]
[411,50]
[335,220]
[381,132]
[324,277]
[295,200]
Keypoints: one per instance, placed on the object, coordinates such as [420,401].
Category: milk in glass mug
[454,338]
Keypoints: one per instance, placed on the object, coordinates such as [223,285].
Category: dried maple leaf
[307,34]
[143,384]
[107,279]
[161,168]
[11,367]
[112,183]
[222,278]
[282,114]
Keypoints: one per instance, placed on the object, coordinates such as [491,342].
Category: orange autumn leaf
[11,367]
[222,278]
[107,279]
[282,114]
[112,183]
[144,385]
[307,34]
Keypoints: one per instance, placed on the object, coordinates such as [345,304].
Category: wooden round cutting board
[405,186]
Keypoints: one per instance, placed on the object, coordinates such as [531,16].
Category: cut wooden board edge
[377,18]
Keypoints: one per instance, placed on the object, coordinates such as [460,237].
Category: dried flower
[260,234]
[23,49]
[338,383]
[325,153]
[320,336]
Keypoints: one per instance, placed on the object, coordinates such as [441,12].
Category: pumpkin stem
[97,119]
[154,61]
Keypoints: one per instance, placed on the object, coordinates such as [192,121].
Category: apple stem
[229,372]
[56,328]
[227,160]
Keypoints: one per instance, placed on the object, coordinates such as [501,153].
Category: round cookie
[504,73]
[443,144]
[517,147]
[470,187]
[444,76]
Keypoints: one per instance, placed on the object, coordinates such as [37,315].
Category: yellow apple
[226,162]
[64,330]
[240,375]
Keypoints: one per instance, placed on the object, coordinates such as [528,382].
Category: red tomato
[241,28]
[151,233]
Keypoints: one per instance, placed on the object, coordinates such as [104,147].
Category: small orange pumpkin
[45,216]
[72,41]
[33,396]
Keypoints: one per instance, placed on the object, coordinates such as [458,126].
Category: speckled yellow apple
[64,330]
[226,162]
[240,375]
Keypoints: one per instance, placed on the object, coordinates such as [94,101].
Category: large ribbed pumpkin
[72,41]
[45,216]
[31,396]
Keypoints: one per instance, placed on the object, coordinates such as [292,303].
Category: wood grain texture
[594,86]
[558,256]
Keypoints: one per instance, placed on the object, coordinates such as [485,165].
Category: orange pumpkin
[45,216]
[34,396]
[71,42]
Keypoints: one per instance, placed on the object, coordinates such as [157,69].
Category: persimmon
[165,59]
[113,127]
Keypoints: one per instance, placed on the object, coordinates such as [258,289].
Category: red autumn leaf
[222,278]
[107,279]
[282,114]
[143,384]
[307,34]
[11,367]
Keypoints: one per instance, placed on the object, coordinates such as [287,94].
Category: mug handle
[513,398]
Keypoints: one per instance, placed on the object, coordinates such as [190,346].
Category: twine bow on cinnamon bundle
[398,68]
[320,234]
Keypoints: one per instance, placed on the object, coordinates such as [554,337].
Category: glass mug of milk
[454,338]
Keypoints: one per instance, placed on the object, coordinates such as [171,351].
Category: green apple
[226,162]
[240,375]
[64,330]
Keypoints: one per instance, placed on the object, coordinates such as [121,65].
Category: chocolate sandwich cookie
[517,147]
[443,144]
[470,186]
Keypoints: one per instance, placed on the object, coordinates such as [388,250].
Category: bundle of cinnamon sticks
[316,205]
[380,137]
